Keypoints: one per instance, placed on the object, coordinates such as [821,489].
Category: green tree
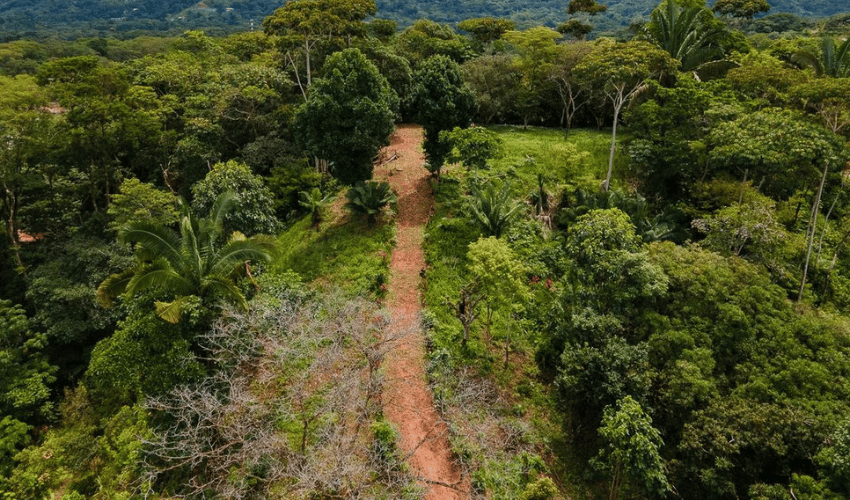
[486,30]
[573,95]
[630,450]
[691,35]
[139,201]
[109,126]
[425,39]
[745,9]
[472,147]
[781,149]
[834,459]
[577,29]
[302,25]
[24,130]
[348,115]
[441,101]
[25,373]
[828,98]
[621,70]
[500,277]
[191,263]
[253,208]
[493,208]
[496,81]
[587,6]
[537,51]
[312,201]
[831,60]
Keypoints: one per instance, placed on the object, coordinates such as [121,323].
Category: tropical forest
[340,249]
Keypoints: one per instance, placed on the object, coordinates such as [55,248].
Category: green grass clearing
[344,251]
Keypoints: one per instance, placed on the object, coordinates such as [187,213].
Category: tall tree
[441,101]
[631,450]
[23,127]
[587,6]
[486,30]
[304,24]
[348,116]
[690,34]
[620,70]
[744,9]
[537,51]
[831,60]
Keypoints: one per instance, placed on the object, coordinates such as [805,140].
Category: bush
[368,198]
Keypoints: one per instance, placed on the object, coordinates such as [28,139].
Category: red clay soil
[407,399]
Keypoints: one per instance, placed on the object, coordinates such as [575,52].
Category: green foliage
[618,71]
[312,201]
[25,374]
[252,209]
[495,79]
[191,263]
[348,115]
[493,208]
[499,274]
[630,450]
[831,60]
[780,148]
[344,251]
[139,201]
[441,101]
[541,489]
[472,147]
[66,310]
[690,35]
[369,198]
[146,356]
[425,39]
[86,456]
[741,8]
[586,6]
[486,29]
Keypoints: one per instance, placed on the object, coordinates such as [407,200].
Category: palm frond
[220,208]
[714,69]
[193,259]
[152,241]
[158,275]
[236,253]
[113,286]
[226,289]
[172,311]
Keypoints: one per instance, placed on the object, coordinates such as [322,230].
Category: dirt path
[407,399]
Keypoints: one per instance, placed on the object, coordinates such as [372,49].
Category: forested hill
[41,18]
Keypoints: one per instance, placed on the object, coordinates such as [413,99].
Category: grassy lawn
[345,251]
[575,159]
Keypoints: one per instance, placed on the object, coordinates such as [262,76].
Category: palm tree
[313,201]
[493,208]
[190,263]
[689,35]
[368,198]
[832,60]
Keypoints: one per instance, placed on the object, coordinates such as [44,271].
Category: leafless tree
[289,410]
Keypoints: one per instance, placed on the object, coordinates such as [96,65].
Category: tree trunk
[810,233]
[618,104]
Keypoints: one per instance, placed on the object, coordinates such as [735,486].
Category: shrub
[368,198]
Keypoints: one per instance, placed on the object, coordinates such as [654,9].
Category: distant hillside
[122,18]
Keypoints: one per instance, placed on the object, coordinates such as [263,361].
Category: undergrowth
[344,250]
[504,427]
